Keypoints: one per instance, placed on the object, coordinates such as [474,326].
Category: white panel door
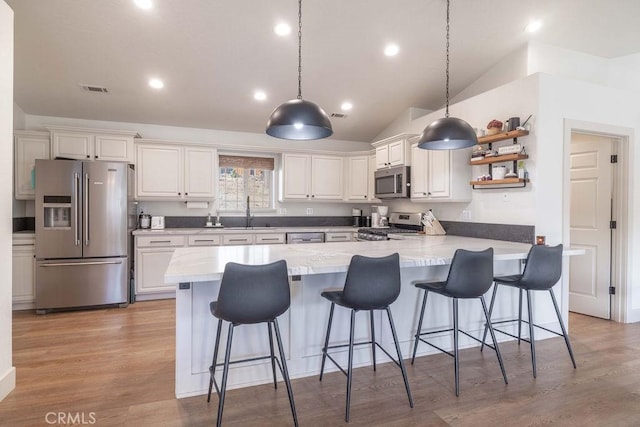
[326,177]
[358,179]
[159,171]
[114,148]
[396,153]
[73,145]
[24,289]
[296,174]
[199,172]
[382,157]
[371,182]
[150,267]
[418,173]
[29,146]
[591,193]
[439,174]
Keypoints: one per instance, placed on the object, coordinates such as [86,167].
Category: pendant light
[299,119]
[448,133]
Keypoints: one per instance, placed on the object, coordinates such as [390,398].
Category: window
[241,177]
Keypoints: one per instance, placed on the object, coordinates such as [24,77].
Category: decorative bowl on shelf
[493,131]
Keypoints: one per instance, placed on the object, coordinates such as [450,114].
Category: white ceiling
[212,54]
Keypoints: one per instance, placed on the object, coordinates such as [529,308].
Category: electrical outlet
[466,214]
[282,211]
[309,211]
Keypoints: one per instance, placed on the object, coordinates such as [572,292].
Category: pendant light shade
[299,119]
[448,133]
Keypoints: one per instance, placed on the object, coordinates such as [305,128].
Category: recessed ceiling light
[282,29]
[391,50]
[156,83]
[346,106]
[534,26]
[259,95]
[144,4]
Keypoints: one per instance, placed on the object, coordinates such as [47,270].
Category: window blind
[263,163]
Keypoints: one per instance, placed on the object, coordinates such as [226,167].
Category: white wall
[19,118]
[561,99]
[511,67]
[544,58]
[401,122]
[7,371]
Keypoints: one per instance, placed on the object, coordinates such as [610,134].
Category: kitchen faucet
[249,216]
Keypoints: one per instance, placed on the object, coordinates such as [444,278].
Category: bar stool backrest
[253,293]
[372,283]
[471,273]
[543,268]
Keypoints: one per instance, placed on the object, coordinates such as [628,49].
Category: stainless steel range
[399,224]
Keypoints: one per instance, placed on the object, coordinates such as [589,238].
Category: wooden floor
[116,366]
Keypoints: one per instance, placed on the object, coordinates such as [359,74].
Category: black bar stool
[541,272]
[371,284]
[470,276]
[251,294]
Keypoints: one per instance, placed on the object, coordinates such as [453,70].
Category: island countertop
[207,263]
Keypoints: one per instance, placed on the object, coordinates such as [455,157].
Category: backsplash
[260,221]
[507,232]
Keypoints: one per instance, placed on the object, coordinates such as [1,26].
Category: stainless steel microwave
[393,183]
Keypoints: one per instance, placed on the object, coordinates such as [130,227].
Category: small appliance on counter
[357,217]
[400,224]
[157,222]
[432,226]
[144,220]
[379,218]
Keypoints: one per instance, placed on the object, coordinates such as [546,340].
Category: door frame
[619,239]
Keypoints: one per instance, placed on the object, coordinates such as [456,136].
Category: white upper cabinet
[440,175]
[360,183]
[28,146]
[166,171]
[312,177]
[392,151]
[92,144]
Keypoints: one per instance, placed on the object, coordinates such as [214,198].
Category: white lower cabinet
[152,257]
[346,236]
[23,280]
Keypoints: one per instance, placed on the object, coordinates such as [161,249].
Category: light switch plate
[309,211]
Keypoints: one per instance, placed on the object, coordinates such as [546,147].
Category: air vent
[94,88]
[338,115]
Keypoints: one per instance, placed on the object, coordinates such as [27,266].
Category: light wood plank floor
[117,366]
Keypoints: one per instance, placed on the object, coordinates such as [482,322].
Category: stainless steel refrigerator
[82,233]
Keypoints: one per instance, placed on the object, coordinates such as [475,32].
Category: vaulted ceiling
[213,54]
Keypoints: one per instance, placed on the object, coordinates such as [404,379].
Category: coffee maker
[379,218]
[357,217]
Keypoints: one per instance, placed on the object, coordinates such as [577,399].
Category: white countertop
[207,263]
[242,230]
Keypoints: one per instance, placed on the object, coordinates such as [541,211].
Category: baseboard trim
[7,383]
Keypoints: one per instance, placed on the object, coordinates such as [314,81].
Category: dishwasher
[305,237]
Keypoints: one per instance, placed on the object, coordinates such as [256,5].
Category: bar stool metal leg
[350,367]
[285,372]
[486,326]
[273,359]
[373,339]
[400,360]
[519,315]
[326,341]
[455,345]
[415,344]
[225,372]
[564,331]
[212,368]
[531,333]
[493,338]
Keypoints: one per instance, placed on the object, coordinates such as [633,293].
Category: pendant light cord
[446,113]
[300,49]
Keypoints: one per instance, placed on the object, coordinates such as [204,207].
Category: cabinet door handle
[186,194]
[88,156]
[238,240]
[313,195]
[269,239]
[160,241]
[307,195]
[204,240]
[179,194]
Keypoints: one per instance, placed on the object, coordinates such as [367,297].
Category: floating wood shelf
[500,183]
[499,159]
[502,136]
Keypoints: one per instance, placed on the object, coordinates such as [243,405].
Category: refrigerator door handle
[86,209]
[73,264]
[76,190]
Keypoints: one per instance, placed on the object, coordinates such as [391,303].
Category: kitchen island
[313,268]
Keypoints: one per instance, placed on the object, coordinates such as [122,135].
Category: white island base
[312,269]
